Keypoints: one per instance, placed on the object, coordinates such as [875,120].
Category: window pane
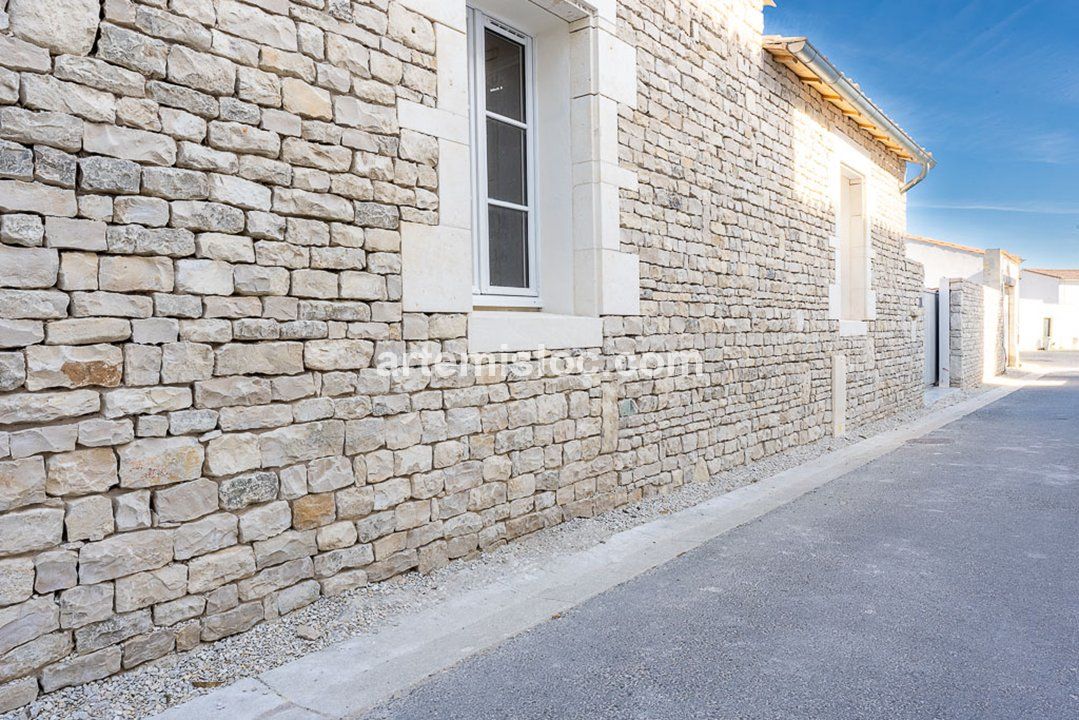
[505,69]
[508,243]
[506,163]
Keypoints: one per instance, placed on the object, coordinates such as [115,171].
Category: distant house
[1049,309]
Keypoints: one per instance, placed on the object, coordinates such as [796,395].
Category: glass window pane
[508,245]
[504,62]
[506,163]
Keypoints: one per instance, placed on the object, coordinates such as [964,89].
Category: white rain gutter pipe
[808,55]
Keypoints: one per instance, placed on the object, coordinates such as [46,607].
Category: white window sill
[851,328]
[507,331]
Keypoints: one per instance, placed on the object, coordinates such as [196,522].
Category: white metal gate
[930,300]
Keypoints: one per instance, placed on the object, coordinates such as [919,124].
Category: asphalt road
[939,582]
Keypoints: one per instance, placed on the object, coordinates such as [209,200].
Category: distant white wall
[1045,298]
[944,262]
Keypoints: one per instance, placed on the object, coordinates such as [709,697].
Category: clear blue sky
[991,87]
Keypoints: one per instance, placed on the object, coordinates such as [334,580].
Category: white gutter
[804,52]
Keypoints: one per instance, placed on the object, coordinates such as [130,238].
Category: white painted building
[1049,310]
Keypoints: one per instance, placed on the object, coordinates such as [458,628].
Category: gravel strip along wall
[200,267]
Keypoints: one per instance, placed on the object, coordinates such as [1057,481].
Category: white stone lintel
[437,122]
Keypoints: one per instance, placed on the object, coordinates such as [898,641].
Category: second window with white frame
[503,137]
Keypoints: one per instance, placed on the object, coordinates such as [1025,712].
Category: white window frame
[849,176]
[484,293]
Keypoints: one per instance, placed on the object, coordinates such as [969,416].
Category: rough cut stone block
[204,277]
[85,331]
[186,362]
[232,453]
[206,535]
[133,274]
[81,669]
[160,461]
[231,621]
[15,694]
[150,646]
[124,554]
[237,191]
[250,489]
[338,354]
[73,366]
[81,472]
[149,400]
[19,333]
[12,370]
[55,570]
[63,26]
[16,580]
[201,216]
[185,501]
[42,128]
[265,522]
[33,304]
[98,433]
[27,621]
[44,92]
[18,196]
[28,267]
[85,604]
[131,511]
[269,358]
[22,482]
[109,175]
[255,25]
[24,230]
[99,74]
[299,443]
[129,144]
[46,407]
[88,518]
[216,569]
[20,55]
[202,71]
[149,588]
[226,391]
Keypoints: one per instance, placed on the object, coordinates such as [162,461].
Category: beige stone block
[268,358]
[27,621]
[22,482]
[63,26]
[131,273]
[88,518]
[81,669]
[312,511]
[232,453]
[154,462]
[185,501]
[43,407]
[306,100]
[186,362]
[124,554]
[216,569]
[28,267]
[87,331]
[302,442]
[149,400]
[16,580]
[81,472]
[85,604]
[73,366]
[141,590]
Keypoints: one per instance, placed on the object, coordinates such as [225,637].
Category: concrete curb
[351,677]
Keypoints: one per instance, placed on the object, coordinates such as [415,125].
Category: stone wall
[199,212]
[966,333]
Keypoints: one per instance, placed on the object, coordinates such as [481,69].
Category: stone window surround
[437,262]
[846,155]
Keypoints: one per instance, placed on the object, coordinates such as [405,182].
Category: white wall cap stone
[595,217]
[594,129]
[602,64]
[620,283]
[585,173]
[495,331]
[853,328]
[432,121]
[454,185]
[436,268]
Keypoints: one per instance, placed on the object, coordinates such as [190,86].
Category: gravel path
[154,687]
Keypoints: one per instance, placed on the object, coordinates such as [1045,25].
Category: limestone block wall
[966,333]
[200,204]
